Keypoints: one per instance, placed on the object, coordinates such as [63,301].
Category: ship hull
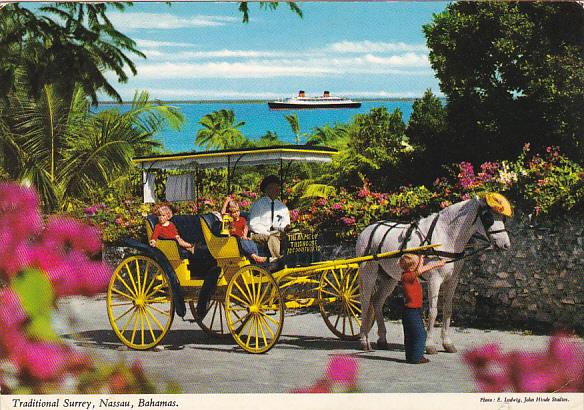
[276,105]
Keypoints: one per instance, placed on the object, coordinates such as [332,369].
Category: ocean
[259,119]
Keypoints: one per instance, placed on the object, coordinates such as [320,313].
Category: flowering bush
[340,377]
[39,265]
[558,369]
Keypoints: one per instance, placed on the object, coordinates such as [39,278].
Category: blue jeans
[414,334]
[248,247]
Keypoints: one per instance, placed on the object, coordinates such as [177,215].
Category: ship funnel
[326,94]
[301,93]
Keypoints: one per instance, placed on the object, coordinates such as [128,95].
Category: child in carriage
[165,229]
[240,229]
[414,331]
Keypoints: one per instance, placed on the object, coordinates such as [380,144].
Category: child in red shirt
[165,229]
[240,229]
[414,332]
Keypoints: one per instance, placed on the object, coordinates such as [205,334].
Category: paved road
[204,365]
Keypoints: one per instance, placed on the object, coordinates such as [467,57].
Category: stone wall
[538,285]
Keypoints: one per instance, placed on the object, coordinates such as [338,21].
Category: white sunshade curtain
[180,188]
[149,181]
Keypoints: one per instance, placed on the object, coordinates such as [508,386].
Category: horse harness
[483,213]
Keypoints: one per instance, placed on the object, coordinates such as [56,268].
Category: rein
[486,219]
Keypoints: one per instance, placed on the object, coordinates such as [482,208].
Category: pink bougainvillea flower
[294,215]
[12,314]
[244,203]
[63,233]
[559,369]
[337,206]
[343,369]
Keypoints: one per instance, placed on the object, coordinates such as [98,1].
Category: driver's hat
[270,179]
[498,203]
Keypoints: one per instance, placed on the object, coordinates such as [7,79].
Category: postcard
[220,204]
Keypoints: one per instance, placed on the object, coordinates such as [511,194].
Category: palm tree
[336,136]
[65,45]
[220,131]
[66,151]
[293,121]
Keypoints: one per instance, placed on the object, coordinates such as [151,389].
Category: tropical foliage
[64,45]
[512,72]
[68,152]
[220,131]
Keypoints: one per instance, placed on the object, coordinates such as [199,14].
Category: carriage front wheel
[254,309]
[339,300]
[140,302]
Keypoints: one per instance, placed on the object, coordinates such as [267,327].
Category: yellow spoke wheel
[215,321]
[339,299]
[140,302]
[254,308]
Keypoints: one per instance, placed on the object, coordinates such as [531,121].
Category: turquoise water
[259,119]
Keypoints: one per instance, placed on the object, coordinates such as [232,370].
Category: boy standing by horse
[414,332]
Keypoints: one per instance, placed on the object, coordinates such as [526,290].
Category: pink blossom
[90,211]
[12,314]
[465,197]
[43,361]
[348,220]
[244,203]
[343,369]
[62,233]
[337,206]
[321,202]
[363,192]
[294,214]
[560,368]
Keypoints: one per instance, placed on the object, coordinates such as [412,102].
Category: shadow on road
[174,340]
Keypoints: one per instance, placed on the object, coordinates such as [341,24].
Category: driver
[269,218]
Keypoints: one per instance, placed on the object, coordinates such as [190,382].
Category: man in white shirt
[269,218]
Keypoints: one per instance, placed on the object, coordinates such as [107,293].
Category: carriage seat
[189,228]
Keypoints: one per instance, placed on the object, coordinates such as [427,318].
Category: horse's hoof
[382,345]
[450,348]
[366,346]
[431,350]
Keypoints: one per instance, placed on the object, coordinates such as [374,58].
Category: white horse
[453,228]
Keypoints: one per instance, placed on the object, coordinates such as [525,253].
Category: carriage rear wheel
[339,301]
[215,321]
[140,302]
[254,308]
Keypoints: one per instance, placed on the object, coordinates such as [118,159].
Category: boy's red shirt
[165,232]
[237,227]
[412,290]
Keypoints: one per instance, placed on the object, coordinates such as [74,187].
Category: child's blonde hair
[408,262]
[163,207]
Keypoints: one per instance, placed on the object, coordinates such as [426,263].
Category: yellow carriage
[249,304]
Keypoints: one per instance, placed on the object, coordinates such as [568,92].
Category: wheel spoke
[331,285]
[138,271]
[118,276]
[146,269]
[135,327]
[142,327]
[263,319]
[122,304]
[124,314]
[242,294]
[131,278]
[147,290]
[129,320]
[150,327]
[154,318]
[119,292]
[270,318]
[240,300]
[163,312]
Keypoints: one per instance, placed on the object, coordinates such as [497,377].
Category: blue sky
[204,51]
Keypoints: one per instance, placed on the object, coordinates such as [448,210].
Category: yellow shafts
[320,266]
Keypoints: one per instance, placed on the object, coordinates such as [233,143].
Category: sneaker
[423,360]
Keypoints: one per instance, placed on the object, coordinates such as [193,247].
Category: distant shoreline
[246,101]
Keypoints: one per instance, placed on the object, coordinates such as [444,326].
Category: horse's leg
[449,288]
[434,283]
[367,279]
[385,287]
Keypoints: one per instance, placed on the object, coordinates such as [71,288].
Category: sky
[203,51]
